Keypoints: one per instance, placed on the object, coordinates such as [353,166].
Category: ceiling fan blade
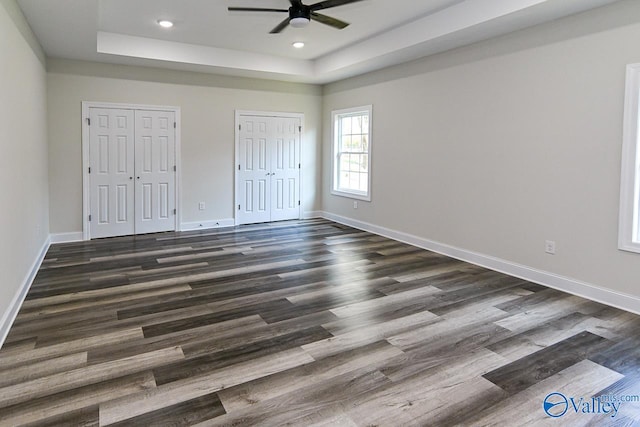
[296,3]
[330,3]
[255,9]
[327,20]
[281,26]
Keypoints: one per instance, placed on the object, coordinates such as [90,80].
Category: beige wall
[24,212]
[496,147]
[207,111]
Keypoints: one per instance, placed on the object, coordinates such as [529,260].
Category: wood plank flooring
[302,323]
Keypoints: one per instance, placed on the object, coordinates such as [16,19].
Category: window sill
[348,195]
[630,247]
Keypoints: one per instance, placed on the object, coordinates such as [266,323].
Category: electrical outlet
[201,206]
[355,205]
[550,247]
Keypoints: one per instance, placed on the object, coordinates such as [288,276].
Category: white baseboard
[204,225]
[14,307]
[67,237]
[185,226]
[313,214]
[566,284]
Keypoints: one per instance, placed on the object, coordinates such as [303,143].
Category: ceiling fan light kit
[299,22]
[301,14]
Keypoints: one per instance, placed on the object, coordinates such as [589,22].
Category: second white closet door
[155,175]
[268,177]
[284,151]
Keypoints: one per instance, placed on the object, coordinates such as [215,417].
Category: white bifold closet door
[155,174]
[268,177]
[132,174]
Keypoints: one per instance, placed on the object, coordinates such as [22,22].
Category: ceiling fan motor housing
[299,15]
[301,11]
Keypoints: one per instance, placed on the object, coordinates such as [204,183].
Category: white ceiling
[208,38]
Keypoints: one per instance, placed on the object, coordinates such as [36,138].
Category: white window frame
[629,229]
[335,164]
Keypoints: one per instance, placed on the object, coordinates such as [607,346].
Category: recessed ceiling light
[165,23]
[298,45]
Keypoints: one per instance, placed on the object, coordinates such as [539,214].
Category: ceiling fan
[300,14]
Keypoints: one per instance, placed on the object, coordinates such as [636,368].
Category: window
[629,229]
[352,152]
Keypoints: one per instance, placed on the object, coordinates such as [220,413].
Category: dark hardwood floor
[303,323]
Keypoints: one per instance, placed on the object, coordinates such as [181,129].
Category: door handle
[130,177]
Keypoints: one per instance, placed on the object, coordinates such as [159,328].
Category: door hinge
[88,121]
[298,202]
[175,125]
[175,168]
[89,169]
[300,129]
[239,127]
[175,211]
[299,166]
[238,207]
[238,167]
[89,218]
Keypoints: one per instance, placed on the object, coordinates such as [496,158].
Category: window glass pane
[344,162]
[353,163]
[365,124]
[354,181]
[344,180]
[364,182]
[346,125]
[364,162]
[356,143]
[357,124]
[365,143]
[346,143]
